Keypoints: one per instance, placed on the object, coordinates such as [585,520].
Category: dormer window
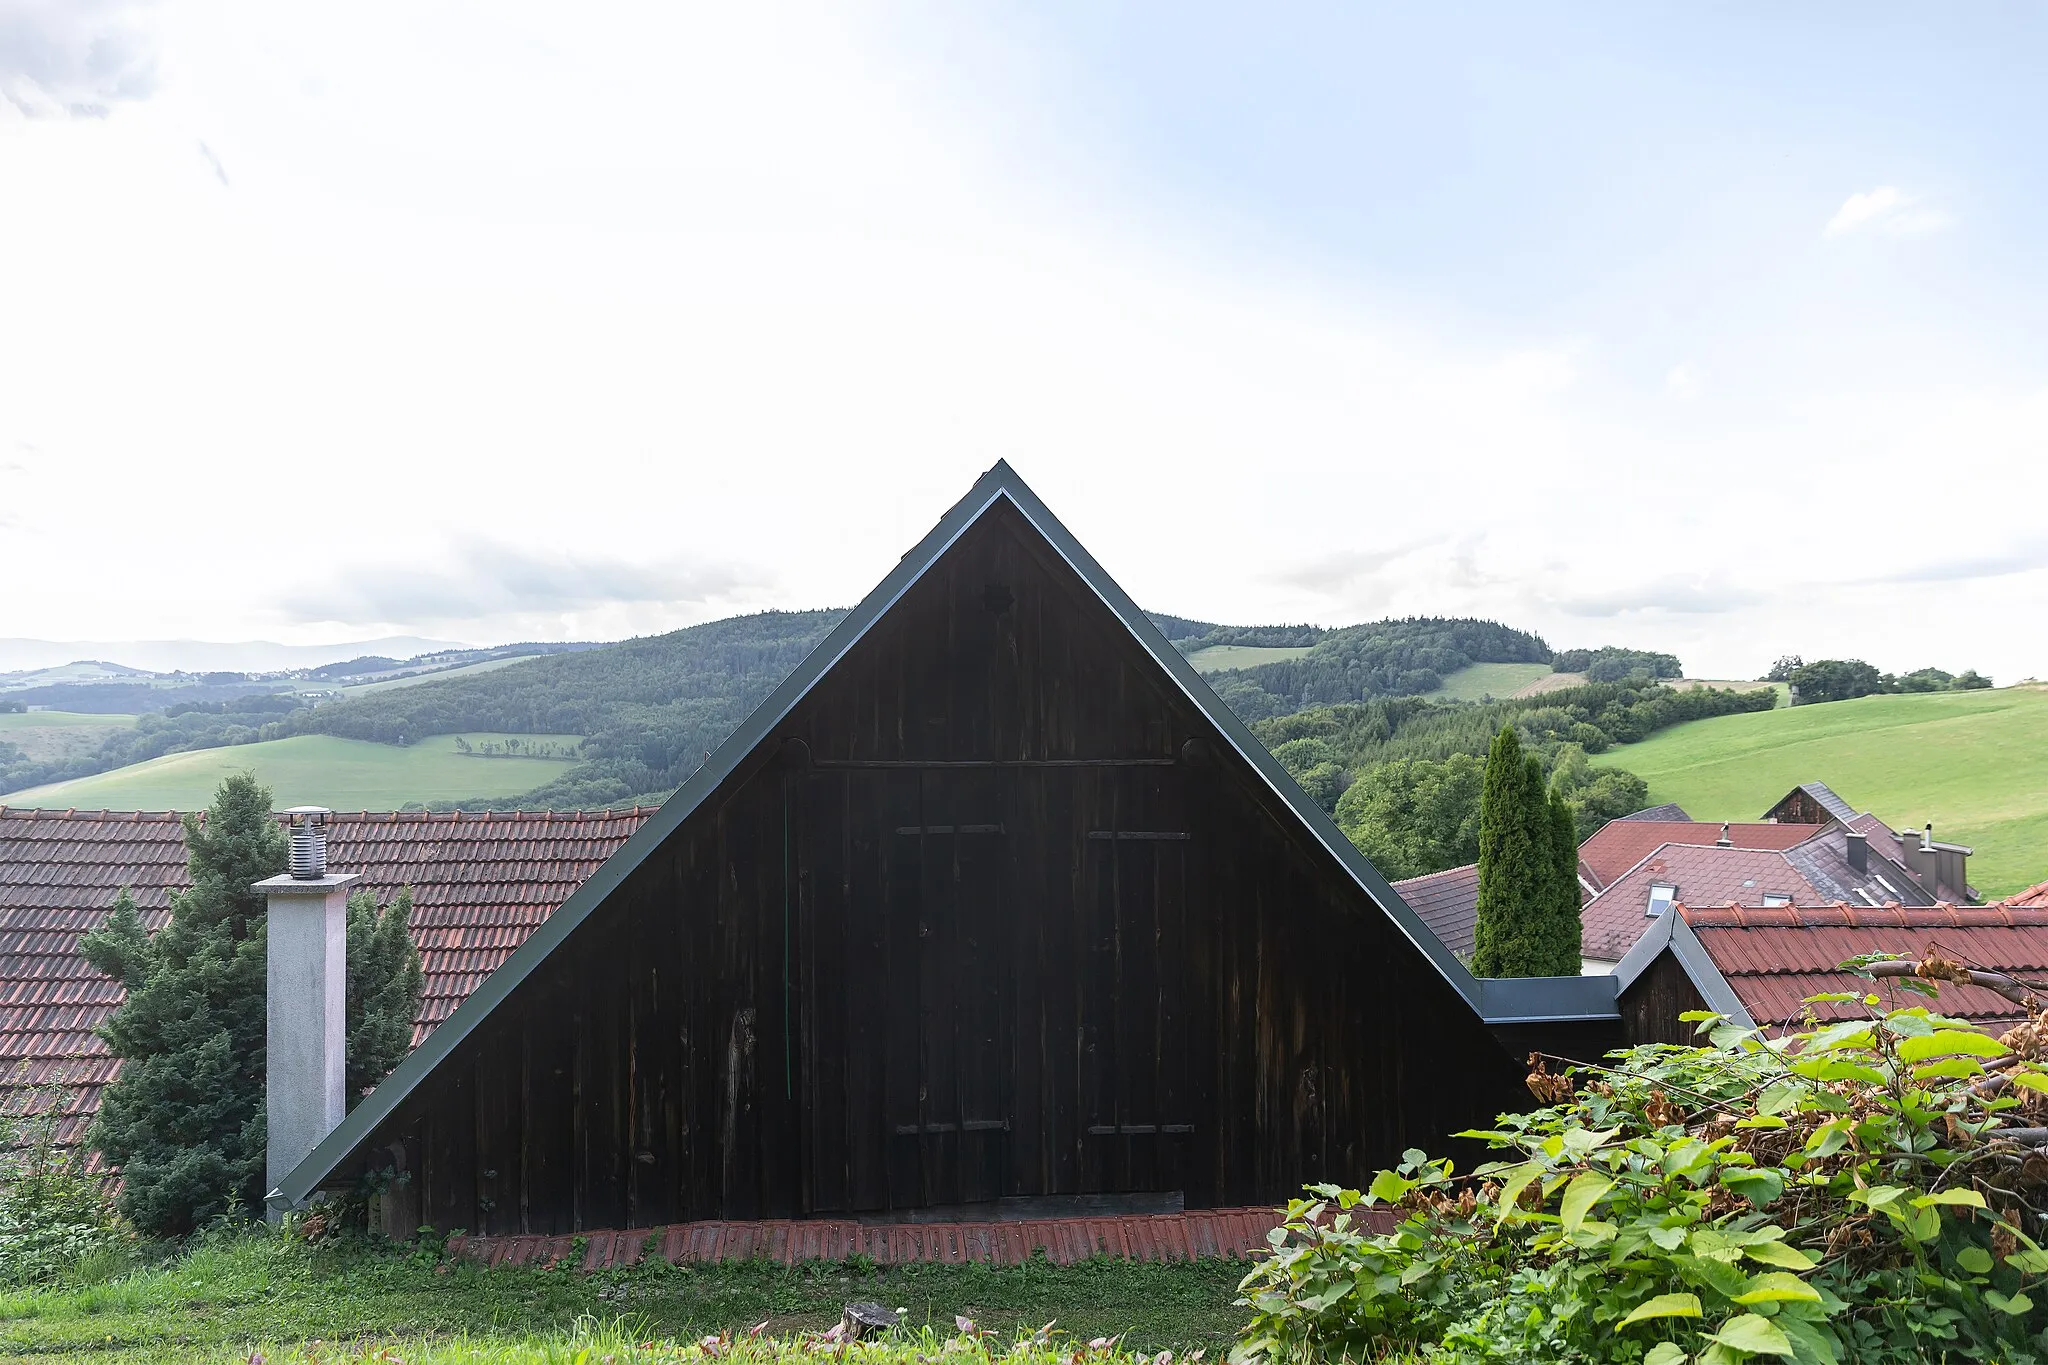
[1661,897]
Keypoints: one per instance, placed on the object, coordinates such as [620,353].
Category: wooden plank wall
[995,913]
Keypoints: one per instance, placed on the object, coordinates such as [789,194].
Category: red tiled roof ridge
[1842,914]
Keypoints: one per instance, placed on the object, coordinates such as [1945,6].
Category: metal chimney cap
[309,810]
[309,842]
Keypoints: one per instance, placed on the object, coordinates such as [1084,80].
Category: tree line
[1403,775]
[1826,680]
[1394,658]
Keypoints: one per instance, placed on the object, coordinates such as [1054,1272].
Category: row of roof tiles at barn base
[1803,853]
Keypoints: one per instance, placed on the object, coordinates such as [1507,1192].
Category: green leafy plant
[54,1214]
[1864,1189]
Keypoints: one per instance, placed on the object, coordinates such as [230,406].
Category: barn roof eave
[1000,482]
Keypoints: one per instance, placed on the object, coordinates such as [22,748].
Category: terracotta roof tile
[1448,903]
[1612,921]
[1619,845]
[481,883]
[1775,958]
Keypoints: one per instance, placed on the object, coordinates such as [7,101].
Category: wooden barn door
[951,964]
[1137,1125]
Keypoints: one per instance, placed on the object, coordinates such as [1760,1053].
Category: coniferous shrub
[1522,928]
[184,1121]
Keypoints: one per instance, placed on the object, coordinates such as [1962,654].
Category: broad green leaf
[1949,1068]
[1852,1033]
[1778,1287]
[2031,1080]
[1944,1042]
[1756,1335]
[1837,1069]
[1923,1224]
[2016,1305]
[1877,1196]
[1670,1239]
[1778,1254]
[1829,1138]
[1976,1260]
[1665,1353]
[1966,1197]
[1388,1187]
[1780,1097]
[1664,1306]
[1759,1187]
[1700,1016]
[1580,1196]
[1830,998]
[1511,1188]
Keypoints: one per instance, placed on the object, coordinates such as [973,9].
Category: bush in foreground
[1863,1190]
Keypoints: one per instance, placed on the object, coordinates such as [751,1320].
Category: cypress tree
[384,988]
[1565,933]
[1528,870]
[184,1121]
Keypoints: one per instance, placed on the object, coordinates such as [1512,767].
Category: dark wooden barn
[992,899]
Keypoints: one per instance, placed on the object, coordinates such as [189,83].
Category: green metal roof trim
[1561,998]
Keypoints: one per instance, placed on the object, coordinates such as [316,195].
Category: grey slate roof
[1824,861]
[1669,811]
[1825,797]
[1534,999]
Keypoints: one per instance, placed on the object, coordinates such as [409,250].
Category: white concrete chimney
[306,1057]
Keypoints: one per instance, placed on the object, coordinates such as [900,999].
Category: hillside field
[1974,763]
[1217,658]
[1481,681]
[414,679]
[317,770]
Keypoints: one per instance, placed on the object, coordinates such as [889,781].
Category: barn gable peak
[1000,486]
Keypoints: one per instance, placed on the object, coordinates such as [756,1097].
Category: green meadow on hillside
[320,770]
[53,735]
[1481,681]
[1216,658]
[462,671]
[1974,763]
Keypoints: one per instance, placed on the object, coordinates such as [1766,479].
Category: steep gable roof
[481,883]
[1546,999]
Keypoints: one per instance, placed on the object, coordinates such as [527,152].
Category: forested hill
[650,708]
[1403,658]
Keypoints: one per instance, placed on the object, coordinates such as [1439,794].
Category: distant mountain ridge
[207,656]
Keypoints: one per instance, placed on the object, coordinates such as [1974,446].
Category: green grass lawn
[1489,680]
[343,774]
[1975,763]
[1216,658]
[257,1291]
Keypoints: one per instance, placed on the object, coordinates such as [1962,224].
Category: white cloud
[1686,381]
[1889,210]
[74,58]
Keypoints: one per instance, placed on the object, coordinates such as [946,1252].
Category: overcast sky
[1717,331]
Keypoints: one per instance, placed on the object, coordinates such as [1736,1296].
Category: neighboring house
[1812,848]
[992,898]
[2033,898]
[481,883]
[1618,846]
[1759,966]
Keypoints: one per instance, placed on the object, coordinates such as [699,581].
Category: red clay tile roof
[1448,903]
[481,883]
[1619,845]
[1774,959]
[2033,898]
[1612,921]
